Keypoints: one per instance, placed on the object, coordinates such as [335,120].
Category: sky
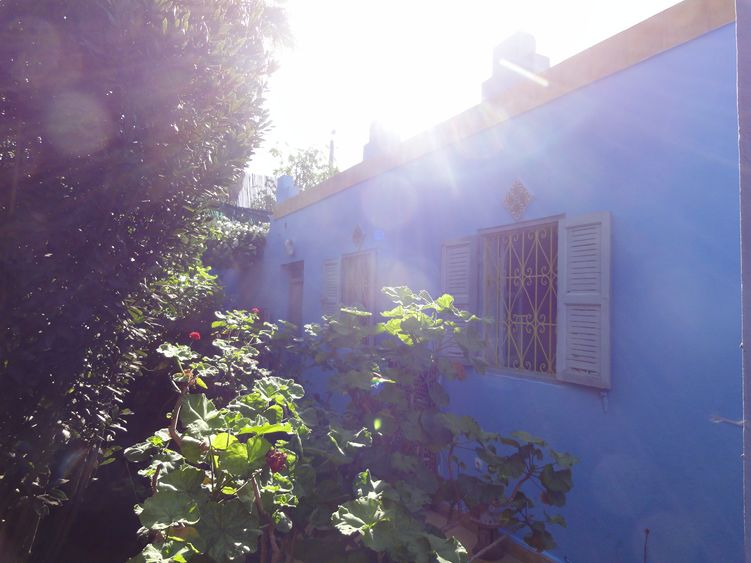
[411,64]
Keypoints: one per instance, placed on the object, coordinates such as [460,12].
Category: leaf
[222,441]
[556,481]
[556,519]
[447,550]
[136,314]
[270,387]
[539,537]
[364,485]
[227,531]
[344,440]
[199,416]
[257,448]
[282,522]
[266,429]
[179,351]
[167,508]
[445,301]
[460,425]
[274,413]
[167,552]
[200,382]
[192,449]
[527,437]
[358,516]
[241,459]
[138,452]
[566,461]
[185,479]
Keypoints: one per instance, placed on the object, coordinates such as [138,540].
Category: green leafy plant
[355,474]
[233,243]
[392,374]
[220,476]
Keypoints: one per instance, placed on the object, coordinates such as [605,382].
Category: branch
[155,478]
[175,415]
[530,473]
[269,529]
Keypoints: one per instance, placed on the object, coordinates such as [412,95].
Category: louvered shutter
[331,298]
[458,277]
[583,347]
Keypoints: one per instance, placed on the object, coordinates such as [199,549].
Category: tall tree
[118,122]
[308,166]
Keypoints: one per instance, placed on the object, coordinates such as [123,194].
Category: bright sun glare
[410,65]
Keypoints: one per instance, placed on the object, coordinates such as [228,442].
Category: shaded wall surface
[656,145]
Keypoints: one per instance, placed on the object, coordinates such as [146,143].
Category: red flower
[255,311]
[195,335]
[276,460]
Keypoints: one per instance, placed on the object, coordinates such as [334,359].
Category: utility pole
[331,151]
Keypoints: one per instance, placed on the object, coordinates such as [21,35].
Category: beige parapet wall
[673,27]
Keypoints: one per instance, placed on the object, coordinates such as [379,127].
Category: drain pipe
[743,42]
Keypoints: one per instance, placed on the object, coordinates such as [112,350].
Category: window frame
[495,366]
[371,255]
[333,281]
[583,294]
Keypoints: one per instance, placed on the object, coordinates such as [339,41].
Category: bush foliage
[119,121]
[265,468]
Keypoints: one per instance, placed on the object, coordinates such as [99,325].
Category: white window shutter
[331,287]
[583,346]
[459,278]
[458,272]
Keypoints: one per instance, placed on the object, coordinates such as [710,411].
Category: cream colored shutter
[458,277]
[331,294]
[583,354]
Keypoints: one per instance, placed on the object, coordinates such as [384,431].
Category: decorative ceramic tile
[517,200]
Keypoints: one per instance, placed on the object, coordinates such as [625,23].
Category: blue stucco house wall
[653,142]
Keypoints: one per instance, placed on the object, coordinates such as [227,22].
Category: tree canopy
[119,122]
[308,166]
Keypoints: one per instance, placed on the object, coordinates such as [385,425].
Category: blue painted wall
[656,145]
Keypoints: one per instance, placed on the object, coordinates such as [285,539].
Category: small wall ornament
[517,200]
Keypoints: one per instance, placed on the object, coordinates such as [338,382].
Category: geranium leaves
[167,552]
[199,415]
[241,459]
[382,523]
[168,508]
[207,495]
[178,351]
[227,530]
[250,462]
